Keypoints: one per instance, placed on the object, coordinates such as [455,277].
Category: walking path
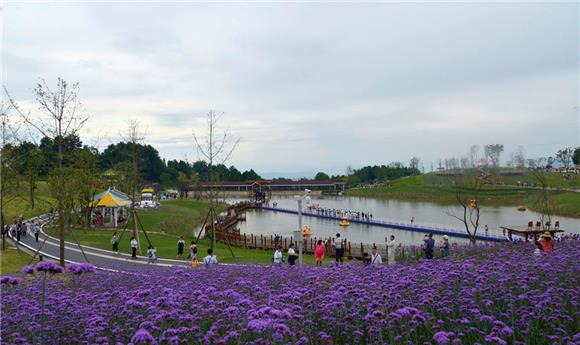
[102,259]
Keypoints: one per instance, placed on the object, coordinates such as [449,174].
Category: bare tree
[467,188]
[214,147]
[60,115]
[473,155]
[134,136]
[414,162]
[544,203]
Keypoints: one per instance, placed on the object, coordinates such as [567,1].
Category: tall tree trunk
[32,192]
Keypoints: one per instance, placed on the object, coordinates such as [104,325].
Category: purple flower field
[499,294]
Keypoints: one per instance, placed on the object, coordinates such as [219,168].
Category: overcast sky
[310,87]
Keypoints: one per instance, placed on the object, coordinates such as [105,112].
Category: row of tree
[490,157]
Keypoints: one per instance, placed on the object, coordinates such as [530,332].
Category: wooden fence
[226,233]
[351,250]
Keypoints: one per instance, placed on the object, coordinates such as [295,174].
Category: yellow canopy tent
[112,203]
[109,200]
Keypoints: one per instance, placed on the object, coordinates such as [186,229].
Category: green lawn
[164,226]
[437,189]
[11,260]
[177,217]
[166,245]
[20,205]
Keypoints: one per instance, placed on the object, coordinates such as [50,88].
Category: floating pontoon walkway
[396,225]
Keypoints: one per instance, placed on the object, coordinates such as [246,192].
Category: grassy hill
[439,189]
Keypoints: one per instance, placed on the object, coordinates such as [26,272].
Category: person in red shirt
[547,243]
[319,253]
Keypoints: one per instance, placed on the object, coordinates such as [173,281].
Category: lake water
[270,223]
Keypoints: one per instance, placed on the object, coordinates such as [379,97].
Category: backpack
[195,250]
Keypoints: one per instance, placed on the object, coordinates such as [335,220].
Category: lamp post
[298,234]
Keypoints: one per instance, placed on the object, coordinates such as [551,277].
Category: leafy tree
[493,152]
[321,176]
[85,174]
[565,156]
[250,175]
[33,161]
[376,173]
[576,156]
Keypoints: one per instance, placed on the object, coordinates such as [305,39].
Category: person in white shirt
[376,257]
[151,255]
[133,248]
[292,256]
[278,256]
[391,250]
[210,259]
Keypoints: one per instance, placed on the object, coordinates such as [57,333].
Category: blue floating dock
[393,225]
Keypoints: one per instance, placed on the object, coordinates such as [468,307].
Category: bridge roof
[274,183]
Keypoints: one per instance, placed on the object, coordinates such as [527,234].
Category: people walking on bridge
[429,245]
[412,220]
[115,243]
[151,255]
[210,259]
[319,253]
[292,256]
[338,248]
[193,250]
[486,228]
[133,248]
[376,258]
[180,247]
[391,248]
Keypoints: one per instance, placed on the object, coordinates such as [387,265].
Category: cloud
[310,86]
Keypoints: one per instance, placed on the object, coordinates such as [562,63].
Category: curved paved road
[102,259]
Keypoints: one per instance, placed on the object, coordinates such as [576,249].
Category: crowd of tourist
[333,212]
[20,229]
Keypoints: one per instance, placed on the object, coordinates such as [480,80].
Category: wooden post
[261,241]
[362,249]
[245,243]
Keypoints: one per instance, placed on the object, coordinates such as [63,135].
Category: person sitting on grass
[210,259]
